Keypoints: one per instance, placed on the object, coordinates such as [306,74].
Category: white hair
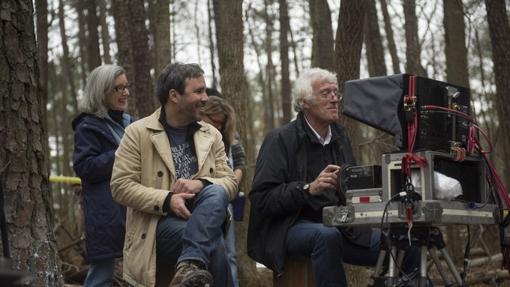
[100,81]
[303,85]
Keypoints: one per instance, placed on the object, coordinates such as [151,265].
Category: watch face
[306,186]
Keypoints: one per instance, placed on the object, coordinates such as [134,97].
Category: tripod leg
[440,269]
[423,266]
[451,266]
[380,262]
[392,270]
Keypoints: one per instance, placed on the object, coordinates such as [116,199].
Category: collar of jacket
[304,130]
[202,139]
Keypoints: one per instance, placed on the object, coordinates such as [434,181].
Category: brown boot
[190,273]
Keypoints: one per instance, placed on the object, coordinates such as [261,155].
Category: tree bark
[323,55]
[143,88]
[229,39]
[82,40]
[373,42]
[456,73]
[284,56]
[499,31]
[389,37]
[94,55]
[162,35]
[413,53]
[24,189]
[271,111]
[105,35]
[42,48]
[349,40]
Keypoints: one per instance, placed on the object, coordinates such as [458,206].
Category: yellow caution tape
[65,179]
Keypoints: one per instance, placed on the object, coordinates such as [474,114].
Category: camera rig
[437,138]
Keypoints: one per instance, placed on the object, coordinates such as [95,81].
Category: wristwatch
[306,189]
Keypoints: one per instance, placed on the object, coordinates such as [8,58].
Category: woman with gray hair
[97,134]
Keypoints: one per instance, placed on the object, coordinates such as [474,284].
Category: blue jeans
[327,249]
[230,247]
[199,238]
[100,273]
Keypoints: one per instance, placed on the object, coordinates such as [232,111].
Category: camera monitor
[379,102]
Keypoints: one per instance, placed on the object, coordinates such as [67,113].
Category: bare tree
[66,61]
[160,30]
[456,73]
[23,163]
[284,56]
[229,39]
[499,31]
[413,54]
[105,35]
[322,44]
[79,6]
[93,53]
[349,40]
[211,43]
[389,37]
[270,110]
[373,42]
[143,88]
[41,8]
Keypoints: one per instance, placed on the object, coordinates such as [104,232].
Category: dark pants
[327,249]
[199,238]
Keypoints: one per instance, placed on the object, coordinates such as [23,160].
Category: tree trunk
[349,40]
[162,35]
[322,44]
[284,56]
[373,42]
[389,37]
[269,68]
[23,163]
[229,39]
[94,56]
[82,40]
[121,16]
[456,73]
[413,54]
[42,48]
[105,35]
[143,88]
[499,31]
[211,44]
[66,62]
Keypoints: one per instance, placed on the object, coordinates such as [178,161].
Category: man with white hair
[295,177]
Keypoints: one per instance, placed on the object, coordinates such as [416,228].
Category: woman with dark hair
[97,134]
[221,115]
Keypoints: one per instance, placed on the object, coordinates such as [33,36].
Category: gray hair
[303,85]
[100,81]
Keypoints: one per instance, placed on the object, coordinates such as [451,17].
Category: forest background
[251,51]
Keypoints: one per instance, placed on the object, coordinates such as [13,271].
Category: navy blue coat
[105,220]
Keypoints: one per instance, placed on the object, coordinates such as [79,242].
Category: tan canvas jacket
[143,174]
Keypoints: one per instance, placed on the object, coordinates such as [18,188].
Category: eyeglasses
[326,93]
[121,88]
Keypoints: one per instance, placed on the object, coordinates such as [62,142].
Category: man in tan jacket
[171,172]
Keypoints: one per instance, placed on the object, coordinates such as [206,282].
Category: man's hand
[187,186]
[178,204]
[325,180]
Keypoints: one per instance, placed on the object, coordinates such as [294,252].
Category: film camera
[438,177]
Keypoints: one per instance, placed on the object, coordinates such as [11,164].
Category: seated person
[295,177]
[171,172]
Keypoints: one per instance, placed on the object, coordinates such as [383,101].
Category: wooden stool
[298,272]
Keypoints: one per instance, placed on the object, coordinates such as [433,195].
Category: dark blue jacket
[105,220]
